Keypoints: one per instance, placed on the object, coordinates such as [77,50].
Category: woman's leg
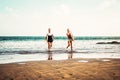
[71,45]
[48,45]
[68,44]
[51,44]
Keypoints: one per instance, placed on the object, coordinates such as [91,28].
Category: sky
[82,17]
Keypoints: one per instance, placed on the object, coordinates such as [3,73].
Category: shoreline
[69,58]
[71,69]
[6,59]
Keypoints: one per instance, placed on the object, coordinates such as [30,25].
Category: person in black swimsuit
[49,38]
[70,38]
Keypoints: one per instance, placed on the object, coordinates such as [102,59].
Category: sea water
[34,48]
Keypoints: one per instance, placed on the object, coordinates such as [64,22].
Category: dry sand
[72,69]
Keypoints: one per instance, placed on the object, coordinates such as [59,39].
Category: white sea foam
[83,61]
[105,60]
[20,51]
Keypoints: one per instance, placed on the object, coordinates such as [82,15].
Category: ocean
[34,48]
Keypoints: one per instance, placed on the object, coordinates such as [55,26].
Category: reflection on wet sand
[49,55]
[70,55]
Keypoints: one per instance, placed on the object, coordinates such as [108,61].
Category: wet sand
[71,69]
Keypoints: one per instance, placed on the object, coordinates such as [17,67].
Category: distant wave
[20,38]
[33,52]
[32,38]
[58,51]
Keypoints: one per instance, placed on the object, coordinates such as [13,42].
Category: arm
[53,37]
[67,35]
[46,38]
[72,36]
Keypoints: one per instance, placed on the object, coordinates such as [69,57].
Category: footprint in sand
[83,61]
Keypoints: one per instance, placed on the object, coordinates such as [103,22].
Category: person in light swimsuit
[49,38]
[70,38]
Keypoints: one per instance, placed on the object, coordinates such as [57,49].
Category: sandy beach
[71,69]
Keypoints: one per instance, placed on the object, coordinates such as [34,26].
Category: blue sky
[83,17]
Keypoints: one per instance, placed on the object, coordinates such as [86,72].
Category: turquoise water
[29,48]
[23,38]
